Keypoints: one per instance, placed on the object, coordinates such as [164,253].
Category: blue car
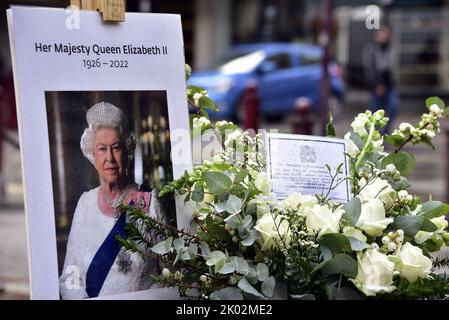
[283,73]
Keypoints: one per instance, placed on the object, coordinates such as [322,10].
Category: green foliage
[243,243]
[404,162]
[341,264]
[352,211]
[412,224]
[434,209]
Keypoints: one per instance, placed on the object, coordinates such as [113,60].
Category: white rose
[375,273]
[413,263]
[378,188]
[299,202]
[354,233]
[270,235]
[353,150]
[322,219]
[263,183]
[372,218]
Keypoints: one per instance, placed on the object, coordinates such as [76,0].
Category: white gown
[89,229]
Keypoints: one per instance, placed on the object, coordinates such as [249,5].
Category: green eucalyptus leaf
[217,182]
[352,210]
[223,196]
[215,257]
[229,293]
[247,221]
[234,204]
[248,288]
[198,193]
[251,275]
[403,161]
[163,247]
[326,253]
[434,209]
[358,141]
[193,250]
[240,176]
[341,264]
[251,238]
[205,250]
[402,184]
[268,286]
[262,271]
[240,264]
[335,242]
[357,245]
[219,265]
[412,224]
[227,268]
[178,244]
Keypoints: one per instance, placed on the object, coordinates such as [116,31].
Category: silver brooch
[124,262]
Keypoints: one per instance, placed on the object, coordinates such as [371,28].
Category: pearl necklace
[115,203]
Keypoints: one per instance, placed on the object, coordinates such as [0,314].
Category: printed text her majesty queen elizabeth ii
[98,50]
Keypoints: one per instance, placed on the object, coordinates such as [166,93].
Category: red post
[302,121]
[251,102]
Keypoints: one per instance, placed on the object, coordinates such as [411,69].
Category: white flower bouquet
[246,244]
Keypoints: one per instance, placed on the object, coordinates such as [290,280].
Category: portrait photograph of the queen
[107,149]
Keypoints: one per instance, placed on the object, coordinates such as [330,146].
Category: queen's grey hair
[106,115]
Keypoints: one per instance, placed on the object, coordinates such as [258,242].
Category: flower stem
[365,147]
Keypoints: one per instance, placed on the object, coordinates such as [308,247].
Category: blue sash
[106,255]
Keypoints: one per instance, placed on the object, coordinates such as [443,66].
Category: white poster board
[297,163]
[64,62]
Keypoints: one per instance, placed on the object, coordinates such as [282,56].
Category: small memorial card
[299,163]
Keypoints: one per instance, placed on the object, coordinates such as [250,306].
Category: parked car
[283,72]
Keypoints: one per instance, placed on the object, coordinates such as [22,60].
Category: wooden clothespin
[112,10]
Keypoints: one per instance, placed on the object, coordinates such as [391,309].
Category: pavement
[429,179]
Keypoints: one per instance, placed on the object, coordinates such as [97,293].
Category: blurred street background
[416,66]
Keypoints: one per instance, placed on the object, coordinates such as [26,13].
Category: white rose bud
[385,240]
[203,278]
[390,168]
